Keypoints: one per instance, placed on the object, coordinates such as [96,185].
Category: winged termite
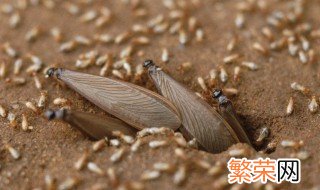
[94,126]
[139,107]
[229,114]
[199,119]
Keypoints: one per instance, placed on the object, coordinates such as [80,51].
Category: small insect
[81,162]
[14,153]
[126,101]
[115,157]
[199,120]
[95,168]
[180,175]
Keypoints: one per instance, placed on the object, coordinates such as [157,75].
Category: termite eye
[148,63]
[50,114]
[216,93]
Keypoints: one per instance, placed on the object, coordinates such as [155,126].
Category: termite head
[53,72]
[55,114]
[148,63]
[218,95]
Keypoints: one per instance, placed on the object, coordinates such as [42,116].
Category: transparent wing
[198,118]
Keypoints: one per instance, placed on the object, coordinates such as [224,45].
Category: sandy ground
[52,148]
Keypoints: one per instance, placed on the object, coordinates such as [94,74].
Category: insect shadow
[136,108]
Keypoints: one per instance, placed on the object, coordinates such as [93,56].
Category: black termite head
[55,114]
[150,65]
[54,72]
[218,95]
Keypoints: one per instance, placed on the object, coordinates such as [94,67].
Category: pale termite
[137,106]
[94,126]
[199,119]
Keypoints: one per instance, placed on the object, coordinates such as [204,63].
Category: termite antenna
[55,114]
[148,63]
[53,71]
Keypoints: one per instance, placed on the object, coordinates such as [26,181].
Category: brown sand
[53,147]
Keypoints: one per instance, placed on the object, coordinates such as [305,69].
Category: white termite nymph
[32,34]
[43,99]
[236,73]
[24,123]
[37,82]
[82,40]
[69,183]
[88,16]
[3,112]
[165,55]
[50,182]
[31,106]
[313,105]
[60,101]
[303,57]
[135,146]
[95,168]
[15,20]
[17,66]
[150,175]
[12,119]
[3,70]
[127,67]
[239,20]
[250,65]
[98,145]
[114,142]
[232,44]
[117,73]
[117,155]
[223,75]
[180,175]
[199,35]
[290,107]
[162,166]
[231,58]
[202,83]
[258,47]
[8,49]
[67,46]
[13,152]
[56,34]
[81,162]
[183,37]
[298,87]
[104,69]
[157,144]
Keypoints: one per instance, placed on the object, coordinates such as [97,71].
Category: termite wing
[93,126]
[199,119]
[137,106]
